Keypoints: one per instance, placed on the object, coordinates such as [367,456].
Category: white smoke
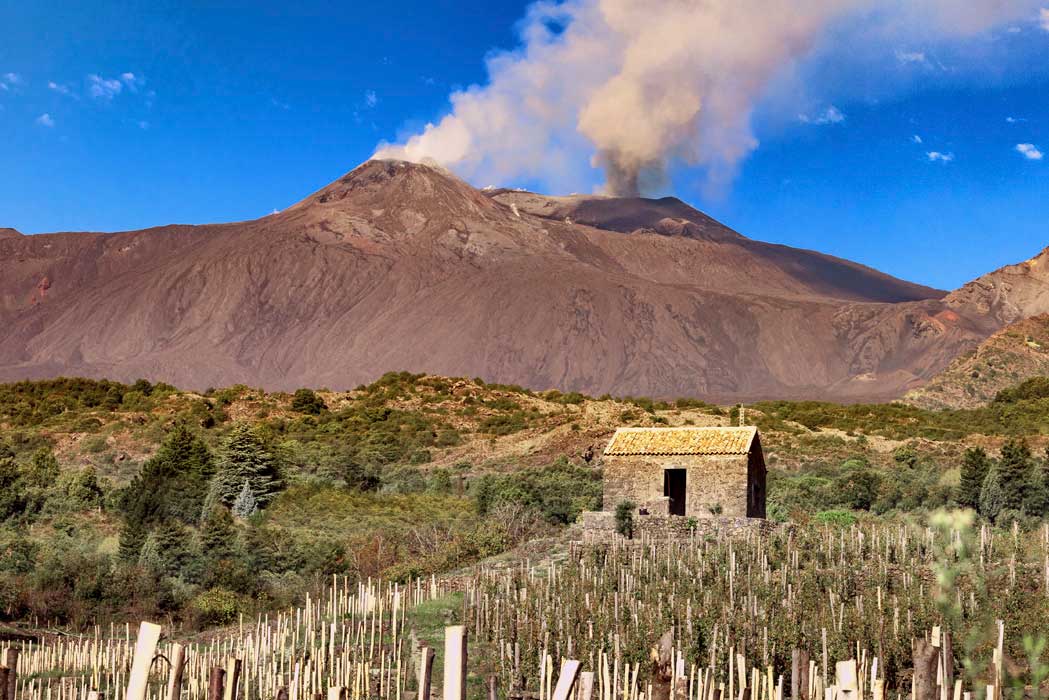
[641,83]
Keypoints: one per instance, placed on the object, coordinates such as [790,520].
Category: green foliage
[217,606]
[307,401]
[839,518]
[172,483]
[624,518]
[992,498]
[1033,388]
[245,459]
[1015,473]
[560,491]
[975,465]
[34,403]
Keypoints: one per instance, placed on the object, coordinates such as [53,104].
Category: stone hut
[695,472]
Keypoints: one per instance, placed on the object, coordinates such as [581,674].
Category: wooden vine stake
[178,667]
[455,663]
[11,662]
[566,681]
[425,672]
[145,650]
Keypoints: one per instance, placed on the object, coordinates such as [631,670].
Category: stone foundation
[600,526]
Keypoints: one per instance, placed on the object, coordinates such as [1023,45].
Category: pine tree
[1015,473]
[172,543]
[217,535]
[992,500]
[244,458]
[245,504]
[173,482]
[975,465]
[132,537]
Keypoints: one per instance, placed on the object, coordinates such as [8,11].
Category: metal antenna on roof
[742,409]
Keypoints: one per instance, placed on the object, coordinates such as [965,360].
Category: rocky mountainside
[1015,353]
[400,266]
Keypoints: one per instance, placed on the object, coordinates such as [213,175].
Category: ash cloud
[638,85]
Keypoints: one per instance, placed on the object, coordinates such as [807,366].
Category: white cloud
[45,120]
[1029,151]
[108,88]
[132,81]
[60,88]
[1043,18]
[916,139]
[911,57]
[103,88]
[371,99]
[936,156]
[9,80]
[1014,120]
[831,115]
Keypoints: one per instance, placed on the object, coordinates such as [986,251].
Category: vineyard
[873,611]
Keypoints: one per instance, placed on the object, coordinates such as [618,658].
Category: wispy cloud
[370,99]
[937,157]
[1029,151]
[916,139]
[9,80]
[1015,120]
[60,89]
[280,105]
[45,120]
[831,115]
[911,56]
[1043,18]
[107,88]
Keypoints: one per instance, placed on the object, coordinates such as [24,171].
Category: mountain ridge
[401,266]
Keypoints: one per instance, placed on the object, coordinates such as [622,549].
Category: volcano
[402,266]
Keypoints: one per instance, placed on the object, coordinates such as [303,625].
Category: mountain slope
[401,266]
[1015,353]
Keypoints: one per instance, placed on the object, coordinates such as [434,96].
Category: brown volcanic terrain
[401,266]
[1015,353]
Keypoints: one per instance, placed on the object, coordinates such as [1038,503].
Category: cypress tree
[992,500]
[244,458]
[1014,473]
[975,465]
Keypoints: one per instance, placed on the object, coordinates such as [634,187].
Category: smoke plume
[639,84]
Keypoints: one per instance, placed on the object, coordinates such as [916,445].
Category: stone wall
[599,526]
[710,480]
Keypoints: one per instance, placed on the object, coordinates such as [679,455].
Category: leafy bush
[216,607]
[560,491]
[307,401]
[840,518]
[624,518]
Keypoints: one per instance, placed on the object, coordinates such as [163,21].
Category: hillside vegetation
[143,500]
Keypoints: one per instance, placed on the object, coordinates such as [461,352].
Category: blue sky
[162,112]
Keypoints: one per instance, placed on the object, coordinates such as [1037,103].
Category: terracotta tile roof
[681,441]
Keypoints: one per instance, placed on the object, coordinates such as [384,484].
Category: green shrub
[840,518]
[624,518]
[307,401]
[217,606]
